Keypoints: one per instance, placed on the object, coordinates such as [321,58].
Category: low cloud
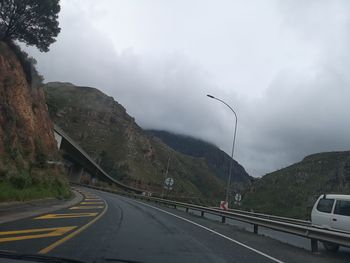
[297,105]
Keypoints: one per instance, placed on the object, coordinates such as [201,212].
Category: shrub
[28,64]
[21,180]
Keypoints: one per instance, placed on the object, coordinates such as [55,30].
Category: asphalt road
[107,228]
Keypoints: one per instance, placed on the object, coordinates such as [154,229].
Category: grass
[8,192]
[38,183]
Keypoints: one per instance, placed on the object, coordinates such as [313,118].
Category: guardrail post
[175,206]
[256,227]
[223,219]
[314,245]
[186,209]
[202,213]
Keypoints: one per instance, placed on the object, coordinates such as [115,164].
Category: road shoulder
[16,211]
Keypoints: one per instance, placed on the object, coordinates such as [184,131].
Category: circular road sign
[238,197]
[169,181]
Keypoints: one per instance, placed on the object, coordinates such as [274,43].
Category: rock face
[26,131]
[107,133]
[293,190]
[216,159]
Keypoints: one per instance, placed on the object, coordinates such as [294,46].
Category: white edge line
[212,231]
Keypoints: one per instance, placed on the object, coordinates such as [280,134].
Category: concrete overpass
[73,153]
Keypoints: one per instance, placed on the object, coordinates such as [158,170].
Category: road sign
[238,197]
[224,205]
[169,182]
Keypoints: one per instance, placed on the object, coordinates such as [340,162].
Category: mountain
[26,132]
[293,190]
[109,135]
[218,161]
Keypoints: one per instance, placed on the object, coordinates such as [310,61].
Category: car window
[325,205]
[342,208]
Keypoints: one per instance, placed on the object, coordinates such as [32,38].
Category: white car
[332,212]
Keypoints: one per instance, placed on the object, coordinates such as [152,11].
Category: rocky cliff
[105,130]
[26,131]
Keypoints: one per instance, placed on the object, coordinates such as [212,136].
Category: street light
[233,145]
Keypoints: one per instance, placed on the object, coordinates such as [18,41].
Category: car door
[340,218]
[322,212]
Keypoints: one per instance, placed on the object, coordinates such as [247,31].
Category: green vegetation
[28,63]
[33,183]
[9,192]
[292,191]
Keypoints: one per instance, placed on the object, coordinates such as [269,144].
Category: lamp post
[233,145]
[165,176]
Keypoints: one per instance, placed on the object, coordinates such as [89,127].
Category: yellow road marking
[86,207]
[92,203]
[73,234]
[72,215]
[92,199]
[50,232]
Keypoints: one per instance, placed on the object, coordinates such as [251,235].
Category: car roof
[346,197]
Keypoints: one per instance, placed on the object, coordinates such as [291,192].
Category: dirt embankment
[26,131]
[26,134]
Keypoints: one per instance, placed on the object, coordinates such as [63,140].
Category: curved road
[120,229]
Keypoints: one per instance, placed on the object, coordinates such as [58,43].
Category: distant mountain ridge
[216,159]
[292,191]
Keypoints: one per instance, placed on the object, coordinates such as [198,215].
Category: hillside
[292,191]
[104,129]
[26,133]
[218,161]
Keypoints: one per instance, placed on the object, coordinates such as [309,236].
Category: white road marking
[217,233]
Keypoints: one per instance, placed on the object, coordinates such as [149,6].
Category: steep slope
[104,129]
[216,159]
[26,132]
[292,191]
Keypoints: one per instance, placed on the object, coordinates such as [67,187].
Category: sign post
[238,199]
[168,184]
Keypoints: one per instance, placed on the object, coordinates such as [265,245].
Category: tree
[33,22]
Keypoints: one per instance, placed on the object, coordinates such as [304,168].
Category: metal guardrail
[282,224]
[273,217]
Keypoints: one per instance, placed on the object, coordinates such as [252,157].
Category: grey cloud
[288,80]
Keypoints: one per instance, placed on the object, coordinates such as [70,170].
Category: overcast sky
[282,65]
